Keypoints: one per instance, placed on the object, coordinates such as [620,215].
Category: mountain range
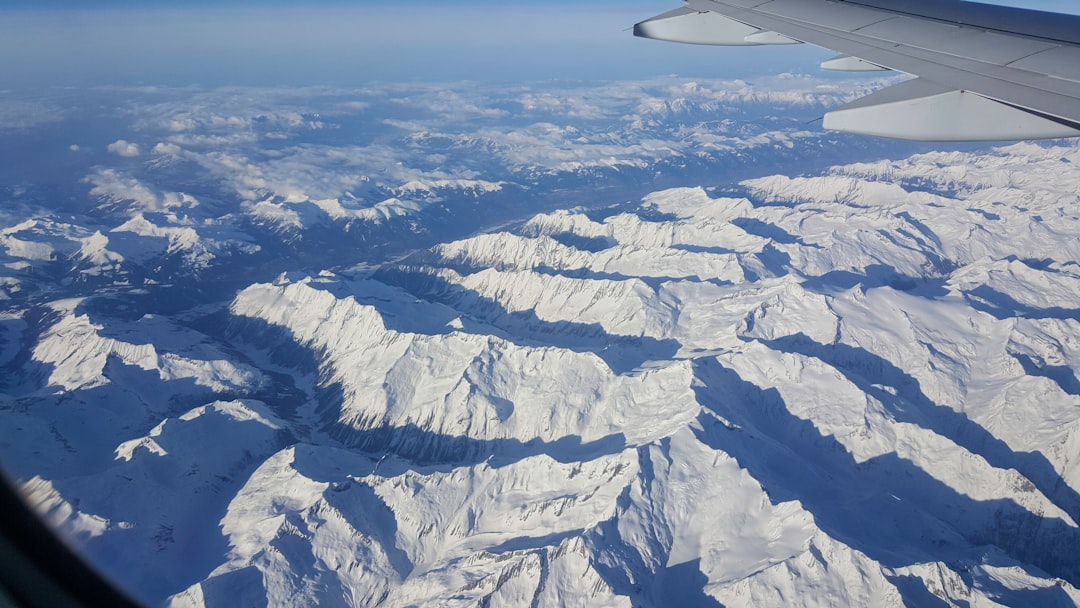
[467,369]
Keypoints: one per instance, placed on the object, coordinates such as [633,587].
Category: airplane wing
[983,72]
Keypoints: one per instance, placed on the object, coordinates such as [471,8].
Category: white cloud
[167,149]
[24,114]
[355,106]
[229,121]
[464,131]
[74,147]
[181,124]
[124,148]
[116,188]
[195,140]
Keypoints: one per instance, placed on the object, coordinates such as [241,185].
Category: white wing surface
[984,72]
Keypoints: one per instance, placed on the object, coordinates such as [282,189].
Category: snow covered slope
[856,387]
[833,391]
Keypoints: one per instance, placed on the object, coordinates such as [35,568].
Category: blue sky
[349,43]
[339,42]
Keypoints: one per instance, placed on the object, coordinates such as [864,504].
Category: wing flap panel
[905,30]
[925,111]
[847,63]
[959,41]
[770,38]
[991,47]
[1062,62]
[748,3]
[842,17]
[1054,27]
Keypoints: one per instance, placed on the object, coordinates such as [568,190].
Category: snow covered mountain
[779,419]
[858,386]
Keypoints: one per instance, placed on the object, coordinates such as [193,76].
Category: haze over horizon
[340,43]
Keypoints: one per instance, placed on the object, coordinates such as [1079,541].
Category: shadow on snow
[886,507]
